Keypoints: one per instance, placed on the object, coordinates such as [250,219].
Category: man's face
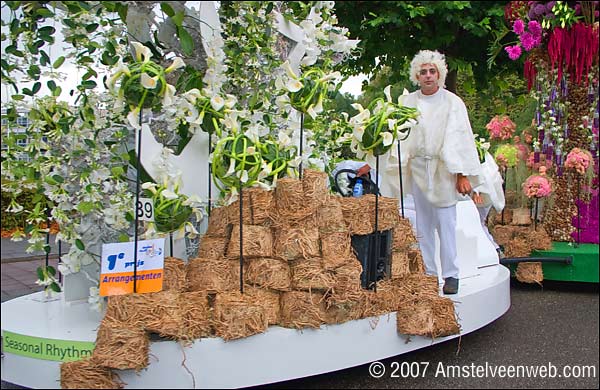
[428,77]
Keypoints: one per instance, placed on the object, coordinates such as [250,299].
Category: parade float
[557,237]
[242,269]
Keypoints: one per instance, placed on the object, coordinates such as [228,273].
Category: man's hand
[463,185]
[477,198]
[364,170]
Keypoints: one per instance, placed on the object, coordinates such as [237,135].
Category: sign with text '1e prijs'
[117,270]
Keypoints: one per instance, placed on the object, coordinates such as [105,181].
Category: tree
[391,32]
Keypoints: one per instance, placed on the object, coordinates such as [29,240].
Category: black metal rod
[137,201]
[59,259]
[376,220]
[535,216]
[503,190]
[241,243]
[400,179]
[301,136]
[209,172]
[515,260]
[171,243]
[47,248]
[577,202]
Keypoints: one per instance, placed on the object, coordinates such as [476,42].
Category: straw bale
[262,203]
[175,278]
[196,315]
[316,186]
[212,247]
[268,299]
[237,315]
[521,216]
[403,237]
[302,309]
[257,241]
[530,273]
[121,345]
[504,233]
[213,275]
[347,276]
[417,284]
[297,243]
[388,212]
[416,263]
[517,247]
[508,216]
[233,211]
[268,273]
[431,316]
[539,239]
[357,213]
[385,299]
[292,207]
[330,217]
[400,264]
[336,248]
[309,274]
[338,312]
[86,374]
[217,222]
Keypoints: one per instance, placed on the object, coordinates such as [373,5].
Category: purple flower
[518,26]
[534,28]
[550,5]
[514,52]
[539,10]
[527,41]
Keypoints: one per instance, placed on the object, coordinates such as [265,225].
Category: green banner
[46,349]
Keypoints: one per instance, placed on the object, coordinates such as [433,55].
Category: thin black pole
[137,201]
[376,220]
[241,243]
[59,259]
[400,179]
[209,172]
[535,216]
[171,243]
[577,201]
[301,136]
[503,189]
[47,248]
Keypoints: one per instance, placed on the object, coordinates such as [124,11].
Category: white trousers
[443,220]
[483,213]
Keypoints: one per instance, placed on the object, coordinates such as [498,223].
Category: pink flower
[528,41]
[534,28]
[518,26]
[578,160]
[501,127]
[537,186]
[514,52]
[543,162]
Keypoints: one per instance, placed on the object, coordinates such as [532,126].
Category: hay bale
[336,248]
[213,275]
[237,316]
[347,276]
[508,216]
[309,274]
[356,214]
[521,216]
[345,301]
[268,273]
[212,247]
[295,243]
[431,316]
[517,247]
[302,309]
[175,275]
[233,211]
[268,299]
[417,284]
[121,345]
[218,225]
[330,217]
[338,312]
[400,264]
[416,263]
[403,237]
[196,315]
[262,203]
[86,374]
[386,299]
[530,273]
[292,207]
[539,239]
[257,242]
[316,186]
[388,212]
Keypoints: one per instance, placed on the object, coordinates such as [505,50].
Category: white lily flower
[401,97]
[169,95]
[250,150]
[407,125]
[293,85]
[149,82]
[288,69]
[284,140]
[388,93]
[392,123]
[388,138]
[177,63]
[358,107]
[119,71]
[230,101]
[282,101]
[331,76]
[311,111]
[192,95]
[217,102]
[141,52]
[358,133]
[244,176]
[133,118]
[362,117]
[231,169]
[149,186]
[168,194]
[279,83]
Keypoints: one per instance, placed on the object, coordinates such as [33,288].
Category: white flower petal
[168,194]
[177,63]
[149,82]
[288,69]
[217,102]
[388,138]
[133,118]
[141,52]
[388,93]
[293,85]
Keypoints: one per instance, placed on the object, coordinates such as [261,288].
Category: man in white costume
[441,162]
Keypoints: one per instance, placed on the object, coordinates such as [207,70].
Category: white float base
[276,355]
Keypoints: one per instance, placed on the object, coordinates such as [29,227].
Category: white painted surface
[276,355]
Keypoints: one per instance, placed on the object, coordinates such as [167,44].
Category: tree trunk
[451,80]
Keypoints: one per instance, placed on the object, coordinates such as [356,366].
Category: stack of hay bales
[299,270]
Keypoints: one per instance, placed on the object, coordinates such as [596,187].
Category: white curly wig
[429,57]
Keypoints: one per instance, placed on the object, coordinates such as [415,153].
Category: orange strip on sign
[122,283]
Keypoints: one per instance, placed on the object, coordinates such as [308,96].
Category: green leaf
[55,287]
[85,207]
[58,178]
[90,28]
[123,237]
[79,244]
[59,61]
[44,12]
[36,87]
[51,270]
[51,85]
[57,91]
[40,273]
[167,9]
[47,30]
[187,43]
[17,97]
[89,84]
[117,171]
[178,18]
[47,248]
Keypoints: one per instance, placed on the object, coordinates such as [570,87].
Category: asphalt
[553,325]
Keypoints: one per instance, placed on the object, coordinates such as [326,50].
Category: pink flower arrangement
[501,127]
[543,162]
[537,186]
[527,39]
[578,160]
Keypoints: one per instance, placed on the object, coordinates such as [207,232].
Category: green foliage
[10,221]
